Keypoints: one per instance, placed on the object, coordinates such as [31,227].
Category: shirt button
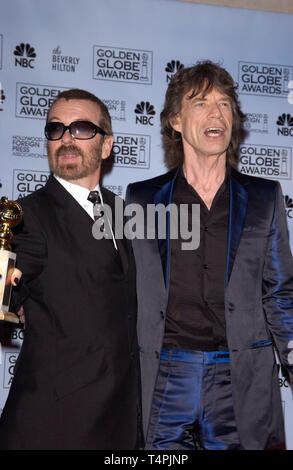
[205,229]
[205,266]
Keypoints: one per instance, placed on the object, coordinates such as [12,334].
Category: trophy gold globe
[10,215]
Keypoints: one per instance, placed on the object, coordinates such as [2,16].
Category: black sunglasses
[82,130]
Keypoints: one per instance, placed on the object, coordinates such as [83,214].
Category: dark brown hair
[77,94]
[199,79]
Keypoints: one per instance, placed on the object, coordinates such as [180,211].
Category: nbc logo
[172,67]
[145,112]
[288,202]
[289,208]
[24,55]
[285,123]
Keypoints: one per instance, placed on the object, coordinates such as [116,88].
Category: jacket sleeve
[29,244]
[278,285]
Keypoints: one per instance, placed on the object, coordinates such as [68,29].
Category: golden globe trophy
[10,215]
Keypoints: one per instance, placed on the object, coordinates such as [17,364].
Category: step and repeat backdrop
[126,52]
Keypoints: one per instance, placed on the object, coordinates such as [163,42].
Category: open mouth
[214,131]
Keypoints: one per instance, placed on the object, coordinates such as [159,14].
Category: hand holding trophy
[10,215]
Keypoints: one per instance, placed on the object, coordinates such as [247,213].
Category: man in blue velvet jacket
[210,319]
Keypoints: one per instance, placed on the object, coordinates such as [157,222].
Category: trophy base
[9,317]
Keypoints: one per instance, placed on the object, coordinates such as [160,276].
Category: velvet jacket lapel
[163,195]
[237,213]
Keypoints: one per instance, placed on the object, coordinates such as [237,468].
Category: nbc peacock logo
[24,55]
[171,68]
[145,112]
[289,206]
[285,125]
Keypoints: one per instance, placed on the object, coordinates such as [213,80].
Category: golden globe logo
[10,359]
[125,65]
[34,101]
[132,150]
[264,79]
[27,181]
[265,161]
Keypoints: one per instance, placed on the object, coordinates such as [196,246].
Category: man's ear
[107,146]
[175,122]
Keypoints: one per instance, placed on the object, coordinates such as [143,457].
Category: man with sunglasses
[75,383]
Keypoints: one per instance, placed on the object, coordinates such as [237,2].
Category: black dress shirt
[195,314]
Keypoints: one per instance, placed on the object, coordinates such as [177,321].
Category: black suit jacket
[75,385]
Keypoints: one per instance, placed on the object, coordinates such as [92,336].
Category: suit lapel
[70,213]
[163,195]
[237,213]
[73,216]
